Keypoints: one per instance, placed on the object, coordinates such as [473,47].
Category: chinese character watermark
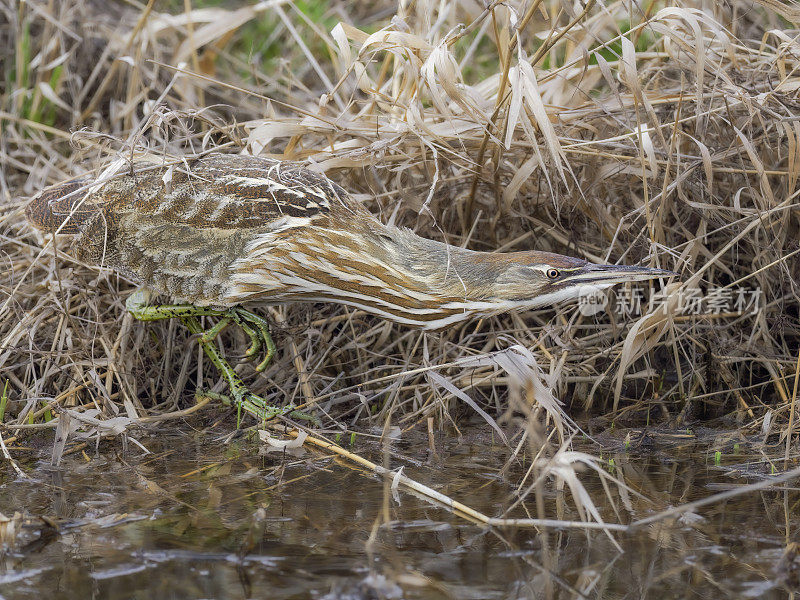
[631,302]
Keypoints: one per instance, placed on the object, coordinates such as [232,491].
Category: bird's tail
[61,208]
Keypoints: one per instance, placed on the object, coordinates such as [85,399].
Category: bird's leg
[137,304]
[256,328]
[242,396]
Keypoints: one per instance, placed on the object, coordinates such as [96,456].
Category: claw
[255,341]
[245,318]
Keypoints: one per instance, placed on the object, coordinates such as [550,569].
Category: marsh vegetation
[643,447]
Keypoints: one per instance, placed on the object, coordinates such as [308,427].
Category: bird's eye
[553,273]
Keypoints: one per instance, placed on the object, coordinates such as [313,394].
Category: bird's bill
[607,275]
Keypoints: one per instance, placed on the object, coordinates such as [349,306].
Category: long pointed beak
[608,275]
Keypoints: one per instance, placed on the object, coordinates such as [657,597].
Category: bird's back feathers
[177,227]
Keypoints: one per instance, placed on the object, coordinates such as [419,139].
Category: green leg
[242,397]
[254,326]
[137,305]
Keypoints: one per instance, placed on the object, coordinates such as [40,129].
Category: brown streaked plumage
[226,230]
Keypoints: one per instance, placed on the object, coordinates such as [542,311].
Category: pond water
[205,517]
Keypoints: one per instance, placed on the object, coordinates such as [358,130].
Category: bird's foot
[243,398]
[256,328]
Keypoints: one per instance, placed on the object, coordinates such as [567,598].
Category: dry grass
[655,133]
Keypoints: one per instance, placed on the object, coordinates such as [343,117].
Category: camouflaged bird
[226,230]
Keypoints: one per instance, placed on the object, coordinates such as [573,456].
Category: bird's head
[543,278]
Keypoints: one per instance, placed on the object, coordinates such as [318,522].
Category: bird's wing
[219,191]
[224,191]
[169,218]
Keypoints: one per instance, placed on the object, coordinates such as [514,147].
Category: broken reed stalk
[460,509]
[429,493]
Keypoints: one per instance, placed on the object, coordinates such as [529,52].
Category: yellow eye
[553,273]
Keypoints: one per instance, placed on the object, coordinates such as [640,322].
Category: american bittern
[223,231]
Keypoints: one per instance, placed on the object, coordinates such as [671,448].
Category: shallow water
[200,518]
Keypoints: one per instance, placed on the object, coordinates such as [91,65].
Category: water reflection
[200,519]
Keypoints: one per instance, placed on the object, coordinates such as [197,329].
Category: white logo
[591,300]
